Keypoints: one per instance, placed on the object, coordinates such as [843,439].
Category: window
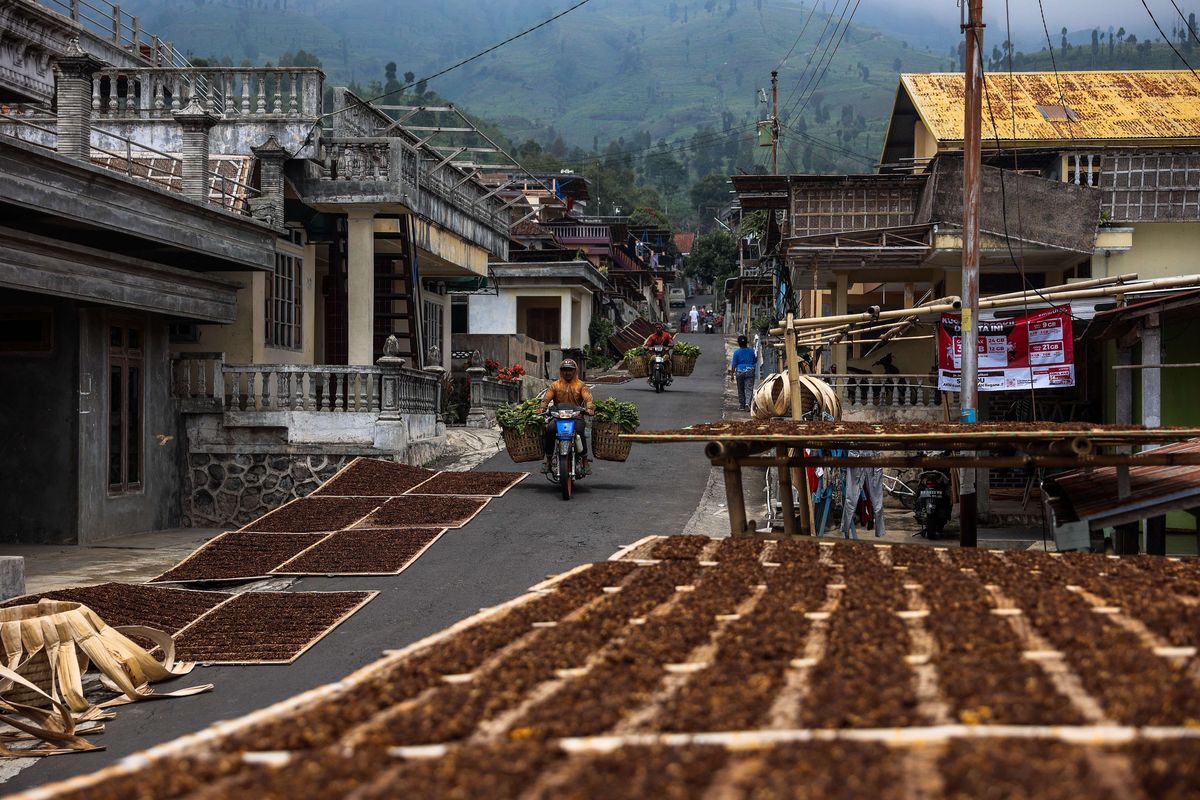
[125,381]
[431,329]
[460,314]
[285,324]
[26,331]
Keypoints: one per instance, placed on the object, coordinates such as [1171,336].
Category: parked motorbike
[933,507]
[565,462]
[660,377]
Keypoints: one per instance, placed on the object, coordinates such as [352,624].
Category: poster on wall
[1034,350]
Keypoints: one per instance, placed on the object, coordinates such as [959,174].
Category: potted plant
[613,417]
[522,426]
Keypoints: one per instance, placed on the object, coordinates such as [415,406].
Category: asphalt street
[517,541]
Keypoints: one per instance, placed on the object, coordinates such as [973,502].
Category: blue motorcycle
[564,467]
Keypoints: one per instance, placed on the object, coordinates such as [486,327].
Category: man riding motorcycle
[661,336]
[568,389]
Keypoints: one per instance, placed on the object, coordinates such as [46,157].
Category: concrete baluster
[246,79]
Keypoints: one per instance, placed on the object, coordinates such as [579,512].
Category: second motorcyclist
[661,337]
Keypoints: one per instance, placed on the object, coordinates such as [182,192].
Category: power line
[812,53]
[829,61]
[803,28]
[450,68]
[711,140]
[1062,100]
[830,145]
[1170,44]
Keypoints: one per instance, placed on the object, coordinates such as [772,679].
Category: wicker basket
[527,445]
[607,444]
[638,366]
[682,366]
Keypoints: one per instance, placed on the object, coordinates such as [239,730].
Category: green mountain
[608,71]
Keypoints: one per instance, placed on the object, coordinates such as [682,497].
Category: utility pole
[972,124]
[774,122]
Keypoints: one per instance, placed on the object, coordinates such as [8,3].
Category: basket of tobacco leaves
[613,418]
[683,359]
[637,362]
[523,429]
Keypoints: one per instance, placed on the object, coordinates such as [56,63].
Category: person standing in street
[741,368]
[694,320]
[858,479]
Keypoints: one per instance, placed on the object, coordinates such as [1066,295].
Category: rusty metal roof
[1101,106]
[1091,494]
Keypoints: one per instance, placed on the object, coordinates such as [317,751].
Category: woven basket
[607,444]
[682,365]
[524,445]
[638,366]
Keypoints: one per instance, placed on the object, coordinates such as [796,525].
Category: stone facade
[228,490]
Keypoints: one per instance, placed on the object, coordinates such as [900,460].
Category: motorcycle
[564,467]
[709,327]
[933,507]
[660,377]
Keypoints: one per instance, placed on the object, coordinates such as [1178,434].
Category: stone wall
[229,490]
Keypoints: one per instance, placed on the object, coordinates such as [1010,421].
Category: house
[225,300]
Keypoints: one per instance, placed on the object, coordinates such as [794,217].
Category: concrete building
[220,300]
[552,303]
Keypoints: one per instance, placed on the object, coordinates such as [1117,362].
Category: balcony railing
[867,391]
[204,383]
[108,22]
[581,233]
[228,92]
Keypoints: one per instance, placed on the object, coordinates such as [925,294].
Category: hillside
[600,74]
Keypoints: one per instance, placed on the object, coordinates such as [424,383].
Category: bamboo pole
[1093,282]
[1147,459]
[820,343]
[1153,366]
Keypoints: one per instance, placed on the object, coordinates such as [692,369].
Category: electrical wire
[1170,44]
[451,68]
[829,61]
[830,145]
[800,35]
[812,53]
[1062,100]
[1186,21]
[711,140]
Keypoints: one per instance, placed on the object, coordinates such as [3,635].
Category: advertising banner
[1035,350]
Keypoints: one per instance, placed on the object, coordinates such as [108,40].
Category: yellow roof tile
[1152,104]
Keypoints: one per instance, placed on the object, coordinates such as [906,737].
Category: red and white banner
[1034,350]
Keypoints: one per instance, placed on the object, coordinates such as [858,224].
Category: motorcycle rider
[568,389]
[661,336]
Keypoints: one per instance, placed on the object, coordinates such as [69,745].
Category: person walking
[858,479]
[694,320]
[741,368]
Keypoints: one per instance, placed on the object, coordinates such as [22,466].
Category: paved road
[514,543]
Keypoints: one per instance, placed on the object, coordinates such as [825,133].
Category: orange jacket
[574,392]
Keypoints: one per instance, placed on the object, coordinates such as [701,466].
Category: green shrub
[598,358]
[521,417]
[610,409]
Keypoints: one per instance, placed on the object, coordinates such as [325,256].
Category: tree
[647,217]
[709,195]
[714,257]
[389,71]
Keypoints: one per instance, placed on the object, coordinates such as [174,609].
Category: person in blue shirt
[742,368]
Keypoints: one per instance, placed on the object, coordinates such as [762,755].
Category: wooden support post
[1125,538]
[785,496]
[1156,536]
[735,499]
[1151,378]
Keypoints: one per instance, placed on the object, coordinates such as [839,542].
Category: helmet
[567,363]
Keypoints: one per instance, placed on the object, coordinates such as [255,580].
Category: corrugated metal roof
[1108,106]
[1091,494]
